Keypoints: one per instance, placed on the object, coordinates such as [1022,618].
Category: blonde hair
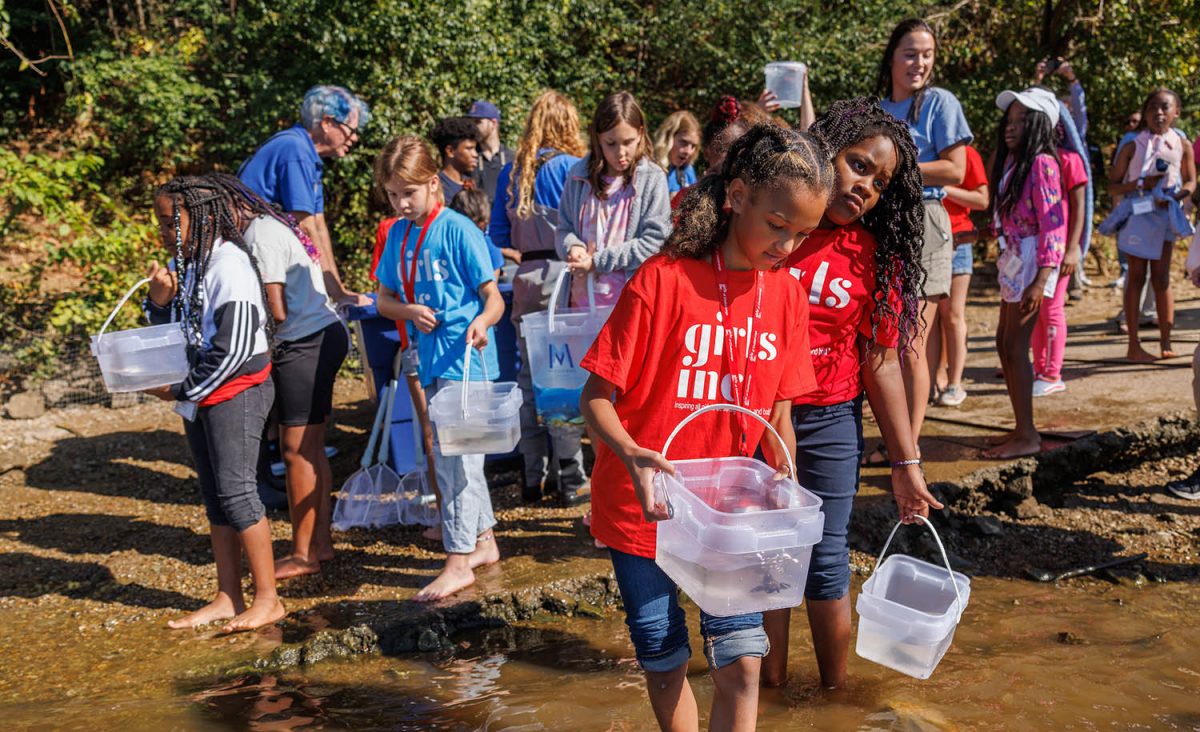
[553,122]
[664,138]
[406,158]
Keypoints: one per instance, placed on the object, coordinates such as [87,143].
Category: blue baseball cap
[484,110]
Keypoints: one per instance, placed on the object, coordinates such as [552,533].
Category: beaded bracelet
[904,463]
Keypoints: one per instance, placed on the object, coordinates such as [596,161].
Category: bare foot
[1168,353]
[1001,439]
[1015,447]
[433,533]
[222,608]
[262,612]
[293,566]
[446,584]
[1137,354]
[486,552]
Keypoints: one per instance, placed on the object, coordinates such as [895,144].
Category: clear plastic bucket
[786,80]
[141,358]
[557,340]
[476,417]
[738,541]
[908,611]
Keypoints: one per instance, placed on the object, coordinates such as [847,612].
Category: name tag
[1143,206]
[1013,265]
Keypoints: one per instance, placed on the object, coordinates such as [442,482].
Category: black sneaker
[1187,488]
[531,494]
[577,497]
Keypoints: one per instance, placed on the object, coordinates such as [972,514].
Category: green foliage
[193,85]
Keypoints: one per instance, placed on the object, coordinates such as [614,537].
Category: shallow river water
[1026,657]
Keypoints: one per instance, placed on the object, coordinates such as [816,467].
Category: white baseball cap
[1039,100]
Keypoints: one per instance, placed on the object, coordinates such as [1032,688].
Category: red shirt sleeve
[381,235]
[975,175]
[621,346]
[1074,174]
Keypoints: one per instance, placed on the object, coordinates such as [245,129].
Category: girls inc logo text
[703,366]
[839,288]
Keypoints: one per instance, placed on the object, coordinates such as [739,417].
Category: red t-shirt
[663,350]
[975,176]
[837,269]
[1074,173]
[381,236]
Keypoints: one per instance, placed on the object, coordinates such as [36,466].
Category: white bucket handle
[120,305]
[467,375]
[730,408]
[941,547]
[558,283]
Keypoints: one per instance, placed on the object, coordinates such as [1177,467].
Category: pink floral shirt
[1041,212]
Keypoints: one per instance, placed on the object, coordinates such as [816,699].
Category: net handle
[120,305]
[384,396]
[467,375]
[558,283]
[941,547]
[386,441]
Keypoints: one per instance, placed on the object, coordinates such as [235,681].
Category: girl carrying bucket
[615,212]
[1031,215]
[861,268]
[436,272]
[666,352]
[217,294]
[525,218]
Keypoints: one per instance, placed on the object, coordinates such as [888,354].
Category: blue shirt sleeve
[948,125]
[494,253]
[473,262]
[500,228]
[552,180]
[299,187]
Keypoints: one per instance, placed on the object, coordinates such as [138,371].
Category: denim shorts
[658,626]
[964,260]
[829,445]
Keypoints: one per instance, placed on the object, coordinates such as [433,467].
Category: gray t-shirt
[283,260]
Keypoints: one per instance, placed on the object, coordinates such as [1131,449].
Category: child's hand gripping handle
[660,489]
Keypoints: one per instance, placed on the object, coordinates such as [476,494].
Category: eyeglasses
[350,131]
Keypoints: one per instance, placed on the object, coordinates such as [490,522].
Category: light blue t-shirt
[689,179]
[940,125]
[454,264]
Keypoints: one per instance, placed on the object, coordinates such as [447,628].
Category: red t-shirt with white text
[837,269]
[663,348]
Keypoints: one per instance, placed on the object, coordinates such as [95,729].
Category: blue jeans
[963,261]
[466,503]
[829,445]
[658,626]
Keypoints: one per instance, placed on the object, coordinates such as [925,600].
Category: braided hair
[1038,138]
[765,157]
[211,208]
[897,221]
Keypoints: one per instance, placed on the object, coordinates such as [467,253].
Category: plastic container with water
[557,340]
[141,358]
[738,540]
[909,609]
[417,504]
[476,417]
[786,80]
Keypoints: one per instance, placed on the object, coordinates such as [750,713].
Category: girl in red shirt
[862,271]
[663,354]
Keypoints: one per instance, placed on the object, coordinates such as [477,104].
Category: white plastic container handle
[467,375]
[725,408]
[117,309]
[558,283]
[941,547]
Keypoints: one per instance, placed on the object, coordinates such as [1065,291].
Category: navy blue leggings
[829,446]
